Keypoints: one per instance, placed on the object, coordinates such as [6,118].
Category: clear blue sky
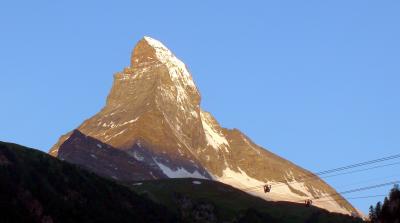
[316,82]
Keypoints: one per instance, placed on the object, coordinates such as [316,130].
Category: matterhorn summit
[152,127]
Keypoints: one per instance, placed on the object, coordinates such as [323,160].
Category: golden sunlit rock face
[152,127]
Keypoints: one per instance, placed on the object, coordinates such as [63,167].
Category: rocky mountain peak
[149,49]
[153,117]
[157,71]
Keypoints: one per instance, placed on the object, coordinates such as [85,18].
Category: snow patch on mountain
[177,69]
[108,138]
[112,124]
[238,179]
[196,182]
[330,203]
[214,138]
[136,155]
[279,191]
[130,121]
[179,172]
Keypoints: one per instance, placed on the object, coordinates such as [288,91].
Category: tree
[385,212]
[394,192]
[372,216]
[378,209]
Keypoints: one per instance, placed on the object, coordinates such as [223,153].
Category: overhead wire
[339,195]
[317,175]
[354,198]
[324,177]
[358,189]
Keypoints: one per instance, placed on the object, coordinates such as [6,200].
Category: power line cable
[359,189]
[315,175]
[354,198]
[324,177]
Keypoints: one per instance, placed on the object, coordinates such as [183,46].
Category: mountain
[36,187]
[152,127]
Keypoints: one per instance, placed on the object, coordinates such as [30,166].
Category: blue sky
[316,82]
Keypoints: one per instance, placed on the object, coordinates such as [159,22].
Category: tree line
[389,210]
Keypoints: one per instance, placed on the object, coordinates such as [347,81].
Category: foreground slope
[35,187]
[228,203]
[153,116]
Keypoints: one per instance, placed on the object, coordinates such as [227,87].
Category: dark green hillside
[35,187]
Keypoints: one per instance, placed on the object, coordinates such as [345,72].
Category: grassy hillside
[35,187]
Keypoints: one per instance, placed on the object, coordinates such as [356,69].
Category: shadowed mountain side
[137,163]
